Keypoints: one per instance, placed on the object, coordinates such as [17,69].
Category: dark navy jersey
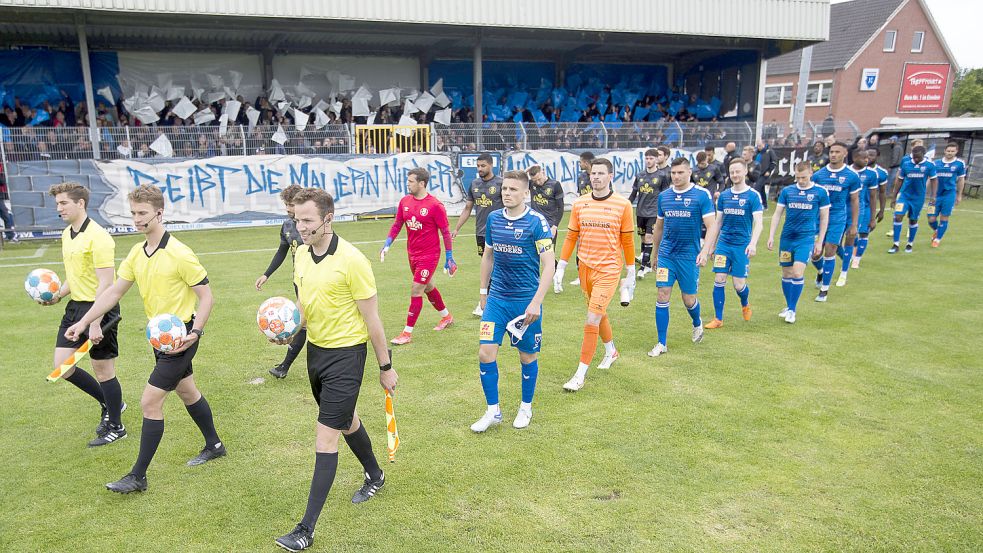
[548,200]
[646,190]
[487,197]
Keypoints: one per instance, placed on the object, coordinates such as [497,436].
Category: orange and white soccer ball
[42,285]
[278,318]
[165,331]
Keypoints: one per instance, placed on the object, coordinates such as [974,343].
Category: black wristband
[386,367]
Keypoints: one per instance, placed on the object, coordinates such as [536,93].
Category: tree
[967,93]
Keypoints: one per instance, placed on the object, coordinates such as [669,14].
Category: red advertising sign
[923,87]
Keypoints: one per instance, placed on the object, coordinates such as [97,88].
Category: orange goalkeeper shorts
[599,288]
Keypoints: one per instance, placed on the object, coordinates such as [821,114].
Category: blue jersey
[737,210]
[802,207]
[682,214]
[948,173]
[868,181]
[915,177]
[839,185]
[516,244]
[882,176]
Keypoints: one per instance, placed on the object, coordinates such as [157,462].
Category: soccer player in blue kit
[868,199]
[682,210]
[518,243]
[882,185]
[915,175]
[738,226]
[842,186]
[806,209]
[951,175]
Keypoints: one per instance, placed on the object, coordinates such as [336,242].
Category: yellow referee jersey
[165,277]
[328,288]
[83,252]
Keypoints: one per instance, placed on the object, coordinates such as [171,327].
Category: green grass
[857,429]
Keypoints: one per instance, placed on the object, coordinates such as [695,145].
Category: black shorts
[645,225]
[172,368]
[336,377]
[480,240]
[108,348]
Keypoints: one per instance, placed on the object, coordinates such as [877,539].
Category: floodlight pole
[760,115]
[799,111]
[90,104]
[477,85]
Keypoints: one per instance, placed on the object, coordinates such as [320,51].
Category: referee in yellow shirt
[337,295]
[170,280]
[89,254]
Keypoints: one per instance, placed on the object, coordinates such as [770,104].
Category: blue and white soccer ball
[278,318]
[165,331]
[42,285]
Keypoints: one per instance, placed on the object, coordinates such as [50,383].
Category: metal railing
[55,143]
[598,135]
[187,142]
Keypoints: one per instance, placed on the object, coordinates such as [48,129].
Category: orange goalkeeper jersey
[605,229]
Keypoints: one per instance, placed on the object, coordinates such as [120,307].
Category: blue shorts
[731,260]
[683,270]
[863,223]
[909,207]
[834,232]
[498,313]
[944,204]
[794,251]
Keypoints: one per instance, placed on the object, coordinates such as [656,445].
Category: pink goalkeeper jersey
[425,220]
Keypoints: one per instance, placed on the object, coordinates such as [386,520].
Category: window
[778,95]
[819,93]
[889,38]
[917,42]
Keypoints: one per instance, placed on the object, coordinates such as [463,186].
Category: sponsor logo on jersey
[507,248]
[413,224]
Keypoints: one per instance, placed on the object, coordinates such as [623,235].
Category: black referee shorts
[336,376]
[108,348]
[172,368]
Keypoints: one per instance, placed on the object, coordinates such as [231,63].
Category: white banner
[223,187]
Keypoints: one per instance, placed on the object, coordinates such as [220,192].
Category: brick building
[884,58]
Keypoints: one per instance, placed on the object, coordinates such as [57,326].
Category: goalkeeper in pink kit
[425,219]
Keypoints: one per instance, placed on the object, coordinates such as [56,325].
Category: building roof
[851,24]
[801,20]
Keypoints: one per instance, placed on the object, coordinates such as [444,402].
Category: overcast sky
[959,21]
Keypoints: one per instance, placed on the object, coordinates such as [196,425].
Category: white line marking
[37,253]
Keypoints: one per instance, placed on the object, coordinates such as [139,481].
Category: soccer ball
[42,285]
[278,318]
[164,331]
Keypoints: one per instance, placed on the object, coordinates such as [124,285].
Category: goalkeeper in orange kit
[602,224]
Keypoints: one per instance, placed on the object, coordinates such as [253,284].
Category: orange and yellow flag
[391,433]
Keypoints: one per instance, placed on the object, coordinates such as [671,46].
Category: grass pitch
[856,429]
